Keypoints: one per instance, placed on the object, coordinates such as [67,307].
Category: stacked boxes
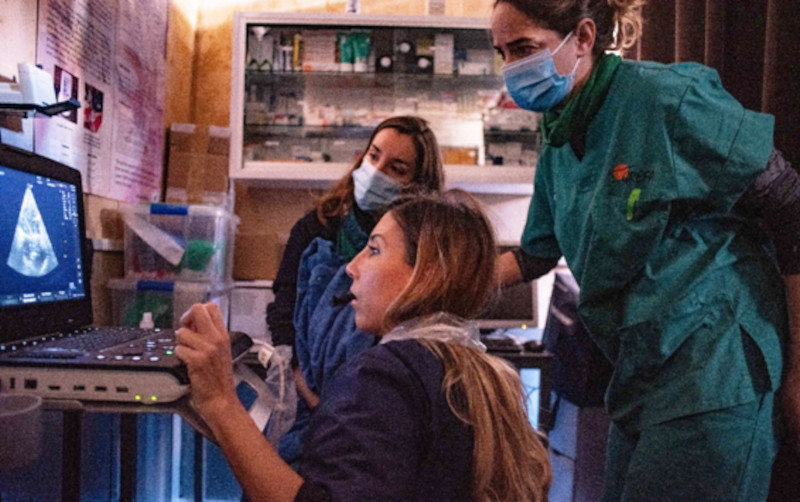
[174,256]
[197,171]
[259,246]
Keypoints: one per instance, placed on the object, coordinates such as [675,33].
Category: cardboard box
[459,155]
[266,218]
[197,169]
[256,255]
[215,173]
[219,140]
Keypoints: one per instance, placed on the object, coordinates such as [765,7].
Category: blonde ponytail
[509,461]
[627,22]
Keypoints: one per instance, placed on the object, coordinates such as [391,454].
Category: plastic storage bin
[169,242]
[165,300]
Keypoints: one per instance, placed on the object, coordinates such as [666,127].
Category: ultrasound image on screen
[40,245]
[32,253]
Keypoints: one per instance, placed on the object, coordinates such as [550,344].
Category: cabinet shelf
[270,76]
[318,175]
[304,131]
[511,135]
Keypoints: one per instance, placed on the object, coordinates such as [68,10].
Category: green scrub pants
[723,455]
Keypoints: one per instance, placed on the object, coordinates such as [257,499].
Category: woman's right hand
[204,345]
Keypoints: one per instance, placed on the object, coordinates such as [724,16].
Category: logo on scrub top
[620,172]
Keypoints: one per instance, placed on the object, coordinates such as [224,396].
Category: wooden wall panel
[182,23]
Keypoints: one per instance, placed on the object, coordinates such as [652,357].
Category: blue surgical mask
[373,189]
[534,82]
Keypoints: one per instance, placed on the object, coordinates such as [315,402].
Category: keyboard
[501,343]
[82,342]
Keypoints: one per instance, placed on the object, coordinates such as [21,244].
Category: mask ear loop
[561,45]
[577,62]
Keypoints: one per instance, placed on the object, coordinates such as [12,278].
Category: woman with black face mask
[656,187]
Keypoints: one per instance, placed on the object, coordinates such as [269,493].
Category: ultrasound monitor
[40,242]
[43,252]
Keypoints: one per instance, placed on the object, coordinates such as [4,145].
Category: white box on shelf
[443,49]
[36,85]
[249,300]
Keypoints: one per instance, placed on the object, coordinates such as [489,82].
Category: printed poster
[111,56]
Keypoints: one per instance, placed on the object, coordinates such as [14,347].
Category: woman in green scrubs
[656,187]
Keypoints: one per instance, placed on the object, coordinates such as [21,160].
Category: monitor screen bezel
[512,307]
[24,321]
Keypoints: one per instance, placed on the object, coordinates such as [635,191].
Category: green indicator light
[153,398]
[137,397]
[169,352]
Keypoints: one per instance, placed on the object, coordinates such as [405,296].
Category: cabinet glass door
[313,92]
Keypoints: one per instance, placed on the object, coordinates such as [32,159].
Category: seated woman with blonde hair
[424,415]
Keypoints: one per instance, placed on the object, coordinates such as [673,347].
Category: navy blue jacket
[384,432]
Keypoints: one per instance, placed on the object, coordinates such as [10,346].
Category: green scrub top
[682,294]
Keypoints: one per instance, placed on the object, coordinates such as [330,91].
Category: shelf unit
[297,121]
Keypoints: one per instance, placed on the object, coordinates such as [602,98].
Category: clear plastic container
[165,301]
[170,242]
